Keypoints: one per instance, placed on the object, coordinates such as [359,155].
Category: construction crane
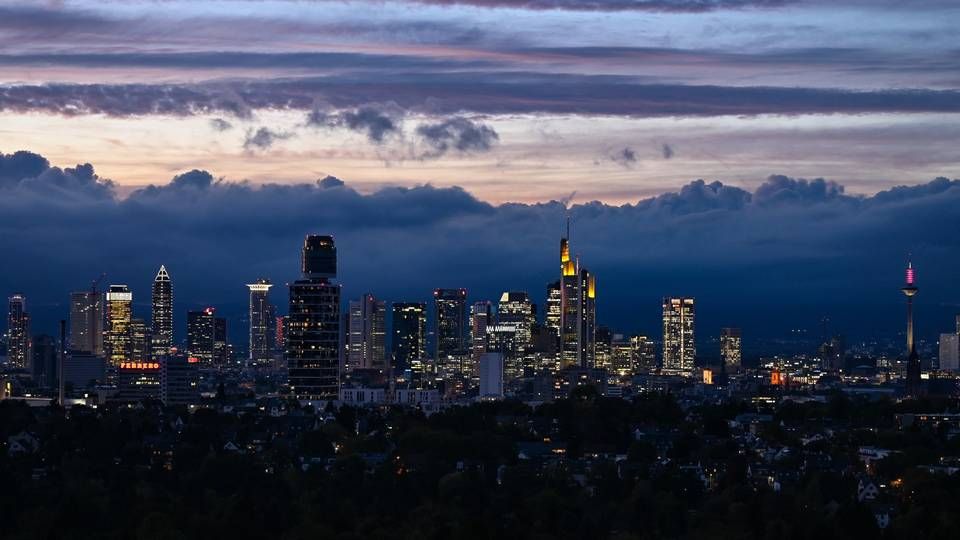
[96,283]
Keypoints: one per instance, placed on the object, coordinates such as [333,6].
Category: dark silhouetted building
[206,337]
[450,329]
[86,321]
[179,380]
[731,349]
[313,324]
[45,358]
[409,339]
[262,320]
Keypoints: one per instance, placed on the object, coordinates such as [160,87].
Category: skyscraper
[140,341]
[201,336]
[949,352]
[910,290]
[409,343]
[367,333]
[86,321]
[161,321]
[44,362]
[450,328]
[481,316]
[679,345]
[313,325]
[261,316]
[588,319]
[18,332]
[578,314]
[552,316]
[730,348]
[221,348]
[119,314]
[512,336]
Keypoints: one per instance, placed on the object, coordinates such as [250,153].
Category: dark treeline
[586,467]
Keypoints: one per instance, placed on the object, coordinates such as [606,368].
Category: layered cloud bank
[780,257]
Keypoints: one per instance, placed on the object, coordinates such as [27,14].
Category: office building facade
[366,336]
[679,343]
[18,332]
[261,339]
[161,320]
[313,325]
[86,321]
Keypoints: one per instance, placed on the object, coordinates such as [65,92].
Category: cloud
[330,182]
[453,94]
[375,123]
[778,257]
[219,124]
[627,157]
[461,134]
[263,138]
[677,6]
[30,175]
[667,151]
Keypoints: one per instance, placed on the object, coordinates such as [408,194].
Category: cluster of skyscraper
[320,348]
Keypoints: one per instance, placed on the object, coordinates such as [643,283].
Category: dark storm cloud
[30,175]
[487,93]
[793,248]
[242,60]
[460,134]
[376,123]
[263,138]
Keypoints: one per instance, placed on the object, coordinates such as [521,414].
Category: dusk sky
[453,125]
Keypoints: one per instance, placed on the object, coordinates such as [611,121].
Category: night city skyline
[480,269]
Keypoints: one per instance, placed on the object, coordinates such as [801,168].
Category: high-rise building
[516,309]
[140,341]
[201,336]
[221,347]
[366,334]
[552,316]
[578,312]
[644,353]
[46,355]
[512,335]
[679,345]
[950,352]
[491,375]
[261,317]
[313,325]
[18,332]
[481,316]
[731,348]
[450,328]
[179,380]
[86,321]
[409,341]
[913,359]
[161,320]
[621,356]
[119,315]
[603,348]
